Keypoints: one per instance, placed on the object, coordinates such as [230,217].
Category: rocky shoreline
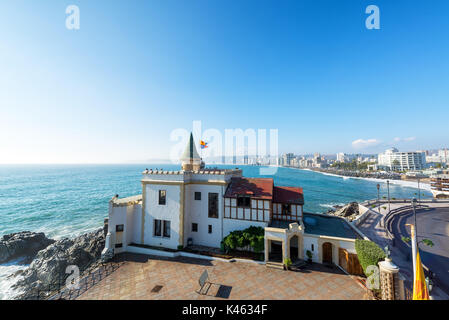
[48,259]
[349,211]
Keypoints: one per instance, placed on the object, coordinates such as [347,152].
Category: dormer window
[244,202]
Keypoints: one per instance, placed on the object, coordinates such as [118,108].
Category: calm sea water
[67,200]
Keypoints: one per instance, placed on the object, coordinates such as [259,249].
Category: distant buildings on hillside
[390,160]
[442,156]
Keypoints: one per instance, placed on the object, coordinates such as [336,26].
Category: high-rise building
[341,157]
[392,159]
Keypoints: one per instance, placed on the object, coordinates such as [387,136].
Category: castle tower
[190,160]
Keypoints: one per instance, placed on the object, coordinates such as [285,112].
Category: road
[432,224]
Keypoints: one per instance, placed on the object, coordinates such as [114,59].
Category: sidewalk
[373,229]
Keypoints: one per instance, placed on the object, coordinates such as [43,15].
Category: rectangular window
[119,228]
[312,247]
[166,229]
[197,195]
[210,228]
[194,227]
[162,197]
[286,209]
[157,228]
[243,202]
[119,245]
[213,205]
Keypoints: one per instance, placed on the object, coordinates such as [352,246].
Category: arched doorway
[327,252]
[294,248]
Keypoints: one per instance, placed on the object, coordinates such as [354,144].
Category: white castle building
[200,206]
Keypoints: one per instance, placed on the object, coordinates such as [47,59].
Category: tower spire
[190,159]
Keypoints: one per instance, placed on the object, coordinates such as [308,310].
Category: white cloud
[361,143]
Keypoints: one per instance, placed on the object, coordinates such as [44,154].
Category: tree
[368,253]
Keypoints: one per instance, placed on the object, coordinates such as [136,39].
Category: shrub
[368,253]
[287,262]
[252,236]
[309,254]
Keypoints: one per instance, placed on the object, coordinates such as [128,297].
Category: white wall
[134,223]
[197,211]
[130,217]
[308,241]
[348,245]
[169,211]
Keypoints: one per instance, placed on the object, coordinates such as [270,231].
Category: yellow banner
[420,288]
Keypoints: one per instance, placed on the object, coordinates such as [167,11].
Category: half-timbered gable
[287,204]
[249,199]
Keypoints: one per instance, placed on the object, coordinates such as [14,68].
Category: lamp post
[378,199]
[414,234]
[414,217]
[419,193]
[388,189]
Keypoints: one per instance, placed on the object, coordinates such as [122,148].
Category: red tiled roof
[288,195]
[261,188]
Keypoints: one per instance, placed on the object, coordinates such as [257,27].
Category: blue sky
[114,90]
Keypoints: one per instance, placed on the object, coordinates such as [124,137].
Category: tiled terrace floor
[178,277]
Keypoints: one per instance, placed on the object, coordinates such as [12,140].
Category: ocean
[68,200]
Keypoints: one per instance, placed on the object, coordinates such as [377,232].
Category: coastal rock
[49,266]
[349,212]
[24,244]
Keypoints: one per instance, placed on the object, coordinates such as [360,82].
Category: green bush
[369,253]
[252,236]
[309,254]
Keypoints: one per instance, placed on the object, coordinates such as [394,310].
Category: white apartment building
[392,159]
[341,157]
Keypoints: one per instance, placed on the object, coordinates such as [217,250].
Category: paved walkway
[140,275]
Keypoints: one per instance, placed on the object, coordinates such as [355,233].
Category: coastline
[405,183]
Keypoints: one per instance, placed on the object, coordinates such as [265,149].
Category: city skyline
[114,90]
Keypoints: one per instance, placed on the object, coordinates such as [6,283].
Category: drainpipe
[222,213]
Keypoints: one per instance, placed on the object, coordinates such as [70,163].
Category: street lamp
[388,189]
[378,199]
[419,193]
[414,215]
